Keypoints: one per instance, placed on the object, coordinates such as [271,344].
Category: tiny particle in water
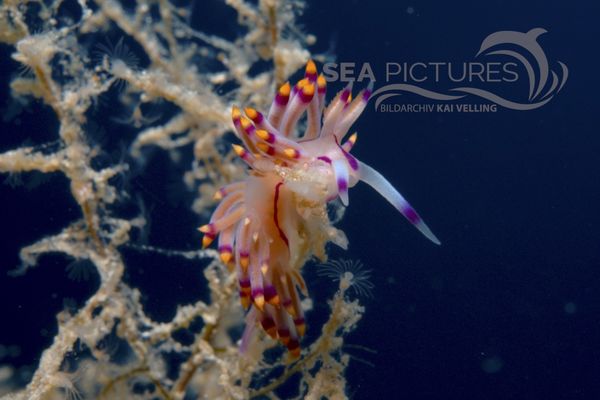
[492,365]
[570,308]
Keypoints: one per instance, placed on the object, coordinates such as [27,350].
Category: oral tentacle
[342,179]
[348,144]
[352,112]
[334,111]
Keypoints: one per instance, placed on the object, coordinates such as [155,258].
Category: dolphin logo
[525,49]
[527,41]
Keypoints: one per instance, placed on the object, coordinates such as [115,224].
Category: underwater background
[507,307]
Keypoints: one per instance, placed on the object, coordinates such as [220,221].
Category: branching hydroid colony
[161,60]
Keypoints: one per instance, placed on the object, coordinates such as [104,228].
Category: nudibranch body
[270,224]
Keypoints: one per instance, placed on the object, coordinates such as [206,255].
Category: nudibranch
[269,224]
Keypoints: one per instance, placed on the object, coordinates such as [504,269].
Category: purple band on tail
[411,215]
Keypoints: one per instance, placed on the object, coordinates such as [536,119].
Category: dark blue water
[507,308]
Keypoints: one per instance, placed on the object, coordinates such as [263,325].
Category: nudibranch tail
[374,179]
[273,221]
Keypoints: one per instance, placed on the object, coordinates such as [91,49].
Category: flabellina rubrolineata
[269,224]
